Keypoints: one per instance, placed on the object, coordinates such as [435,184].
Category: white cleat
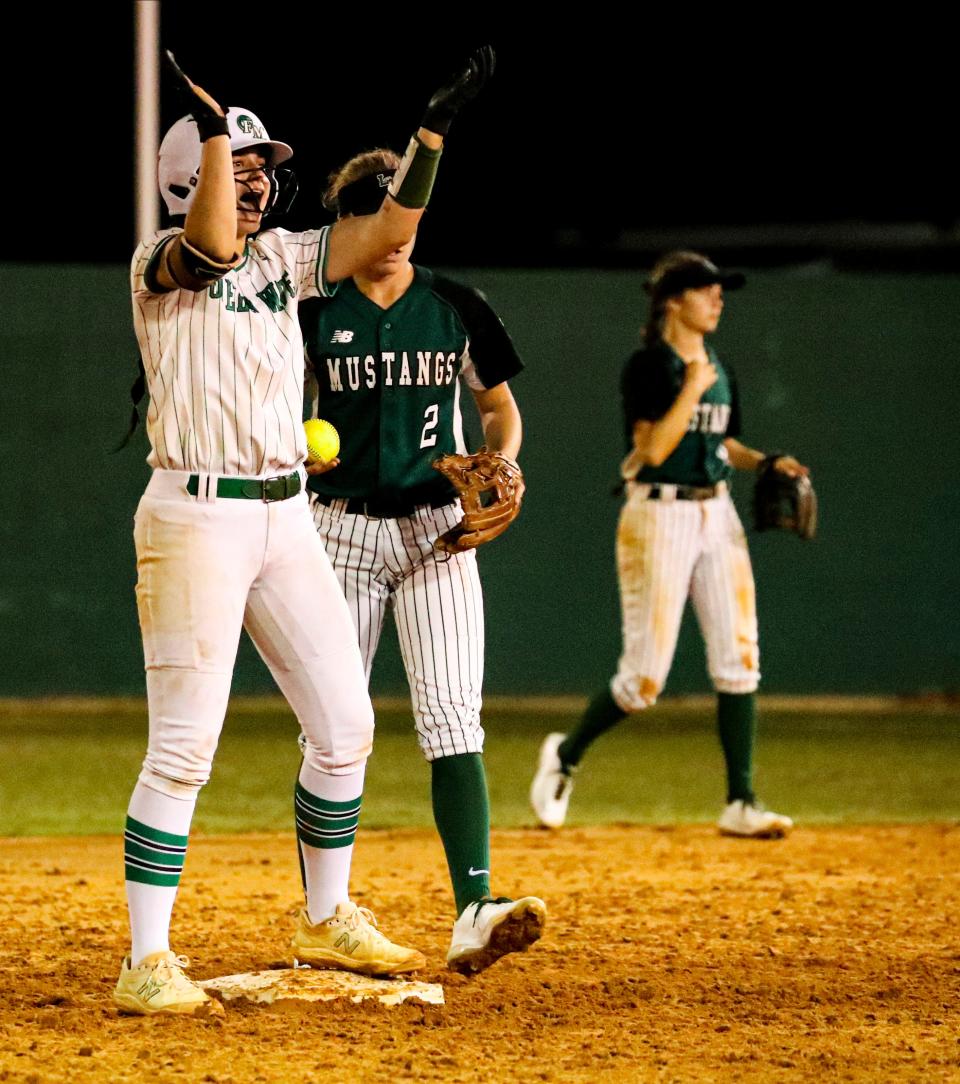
[741,818]
[551,787]
[489,929]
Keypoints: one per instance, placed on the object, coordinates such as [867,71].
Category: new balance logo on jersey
[426,370]
[710,418]
[342,337]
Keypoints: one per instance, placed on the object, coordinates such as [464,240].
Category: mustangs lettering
[710,418]
[426,370]
[394,393]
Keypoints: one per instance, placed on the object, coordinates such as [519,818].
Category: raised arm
[207,248]
[356,242]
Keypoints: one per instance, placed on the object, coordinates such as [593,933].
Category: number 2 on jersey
[431,416]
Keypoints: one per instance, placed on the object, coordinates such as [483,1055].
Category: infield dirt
[670,954]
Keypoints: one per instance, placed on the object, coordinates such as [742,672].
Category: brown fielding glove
[472,476]
[784,503]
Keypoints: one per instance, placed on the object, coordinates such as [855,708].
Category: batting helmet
[178,165]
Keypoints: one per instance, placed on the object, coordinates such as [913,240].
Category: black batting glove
[463,87]
[210,123]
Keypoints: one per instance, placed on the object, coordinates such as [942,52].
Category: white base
[305,984]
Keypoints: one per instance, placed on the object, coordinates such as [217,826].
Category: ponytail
[653,329]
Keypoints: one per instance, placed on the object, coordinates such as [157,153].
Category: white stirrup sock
[154,849]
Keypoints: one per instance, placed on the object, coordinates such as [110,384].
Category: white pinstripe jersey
[224,366]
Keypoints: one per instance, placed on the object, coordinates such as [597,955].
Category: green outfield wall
[855,374]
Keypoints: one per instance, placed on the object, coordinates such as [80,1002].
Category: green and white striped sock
[325,824]
[327,809]
[152,857]
[154,849]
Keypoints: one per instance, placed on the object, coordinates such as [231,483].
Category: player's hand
[789,466]
[320,466]
[700,376]
[462,87]
[210,118]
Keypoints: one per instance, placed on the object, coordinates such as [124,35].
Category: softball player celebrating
[679,535]
[388,354]
[223,532]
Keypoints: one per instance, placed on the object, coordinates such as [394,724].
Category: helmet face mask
[284,192]
[283,186]
[178,164]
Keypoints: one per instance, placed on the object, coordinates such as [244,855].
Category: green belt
[253,489]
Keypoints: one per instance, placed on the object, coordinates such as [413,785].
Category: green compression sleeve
[413,182]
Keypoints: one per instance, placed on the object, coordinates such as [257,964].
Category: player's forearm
[503,429]
[207,247]
[742,457]
[499,419]
[354,245]
[211,225]
[357,242]
[656,441]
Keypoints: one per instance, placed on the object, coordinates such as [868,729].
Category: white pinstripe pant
[206,567]
[437,604]
[668,550]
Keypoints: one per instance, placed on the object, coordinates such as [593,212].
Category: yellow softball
[323,441]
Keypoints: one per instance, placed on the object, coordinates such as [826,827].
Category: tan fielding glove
[473,476]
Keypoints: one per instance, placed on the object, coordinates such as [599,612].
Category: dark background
[602,139]
[819,157]
[854,372]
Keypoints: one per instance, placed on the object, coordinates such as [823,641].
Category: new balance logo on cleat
[158,985]
[149,989]
[349,939]
[348,946]
[342,337]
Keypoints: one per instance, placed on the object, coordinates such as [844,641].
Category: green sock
[461,811]
[602,713]
[737,724]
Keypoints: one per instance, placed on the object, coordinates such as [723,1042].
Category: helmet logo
[248,126]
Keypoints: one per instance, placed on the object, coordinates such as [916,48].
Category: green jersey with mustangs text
[651,382]
[388,380]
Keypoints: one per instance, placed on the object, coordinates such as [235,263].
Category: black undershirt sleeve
[648,387]
[494,356]
[150,274]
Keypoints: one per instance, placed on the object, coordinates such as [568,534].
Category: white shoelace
[173,966]
[359,915]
